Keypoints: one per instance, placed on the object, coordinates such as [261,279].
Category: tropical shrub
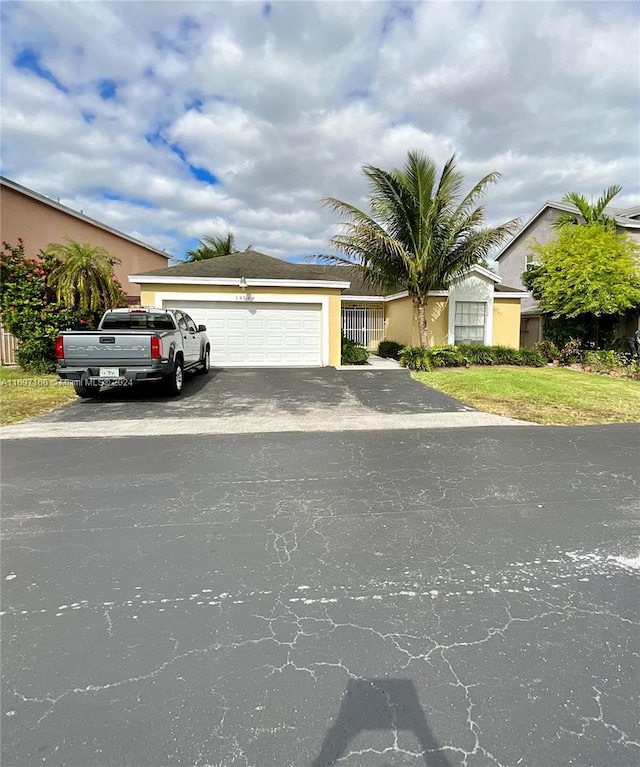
[446,357]
[477,355]
[531,358]
[416,358]
[571,352]
[29,309]
[390,349]
[547,349]
[352,353]
[602,361]
[505,355]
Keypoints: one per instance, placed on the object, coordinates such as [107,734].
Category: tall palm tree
[82,276]
[421,233]
[591,213]
[214,247]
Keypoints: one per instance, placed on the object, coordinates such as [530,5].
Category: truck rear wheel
[86,392]
[174,381]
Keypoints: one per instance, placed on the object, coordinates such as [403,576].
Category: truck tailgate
[107,348]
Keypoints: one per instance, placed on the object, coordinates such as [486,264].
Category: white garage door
[258,334]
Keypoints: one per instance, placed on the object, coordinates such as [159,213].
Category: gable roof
[71,212]
[624,218]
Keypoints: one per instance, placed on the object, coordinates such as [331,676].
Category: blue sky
[174,120]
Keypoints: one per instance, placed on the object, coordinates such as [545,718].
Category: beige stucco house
[39,221]
[515,256]
[262,311]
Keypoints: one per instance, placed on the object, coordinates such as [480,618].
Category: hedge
[415,358]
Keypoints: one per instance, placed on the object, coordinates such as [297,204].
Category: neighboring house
[39,220]
[262,311]
[515,256]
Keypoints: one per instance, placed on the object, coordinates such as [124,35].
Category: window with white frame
[531,259]
[470,322]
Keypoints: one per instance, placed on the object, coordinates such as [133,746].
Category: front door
[354,324]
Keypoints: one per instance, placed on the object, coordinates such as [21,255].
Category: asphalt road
[439,597]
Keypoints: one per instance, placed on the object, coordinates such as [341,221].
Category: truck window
[135,320]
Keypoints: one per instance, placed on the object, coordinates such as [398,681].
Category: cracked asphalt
[420,597]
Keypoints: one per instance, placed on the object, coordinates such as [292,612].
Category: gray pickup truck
[133,346]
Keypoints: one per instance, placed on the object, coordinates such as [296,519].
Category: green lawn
[548,395]
[23,395]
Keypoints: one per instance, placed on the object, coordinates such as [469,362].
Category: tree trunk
[421,306]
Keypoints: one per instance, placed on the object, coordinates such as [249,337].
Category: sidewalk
[374,362]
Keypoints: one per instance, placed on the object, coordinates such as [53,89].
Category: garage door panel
[259,334]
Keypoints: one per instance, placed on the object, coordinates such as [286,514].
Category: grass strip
[550,396]
[23,395]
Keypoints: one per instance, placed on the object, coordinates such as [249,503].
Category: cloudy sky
[171,120]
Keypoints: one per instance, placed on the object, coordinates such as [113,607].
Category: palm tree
[589,212]
[214,247]
[421,233]
[82,276]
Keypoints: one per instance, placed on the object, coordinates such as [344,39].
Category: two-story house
[40,221]
[515,256]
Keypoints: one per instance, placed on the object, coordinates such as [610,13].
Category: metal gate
[363,324]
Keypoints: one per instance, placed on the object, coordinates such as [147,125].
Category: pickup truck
[133,346]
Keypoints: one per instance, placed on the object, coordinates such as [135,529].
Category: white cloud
[285,108]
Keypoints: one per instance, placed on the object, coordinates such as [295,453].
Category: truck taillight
[156,348]
[60,348]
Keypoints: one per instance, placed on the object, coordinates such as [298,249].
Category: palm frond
[606,197]
[581,203]
[591,213]
[213,246]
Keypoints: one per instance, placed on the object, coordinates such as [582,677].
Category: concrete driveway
[262,400]
[449,598]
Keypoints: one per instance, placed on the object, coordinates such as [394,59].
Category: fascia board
[147,279]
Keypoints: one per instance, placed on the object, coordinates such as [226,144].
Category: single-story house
[263,311]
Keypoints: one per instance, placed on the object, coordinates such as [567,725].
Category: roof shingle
[257,266]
